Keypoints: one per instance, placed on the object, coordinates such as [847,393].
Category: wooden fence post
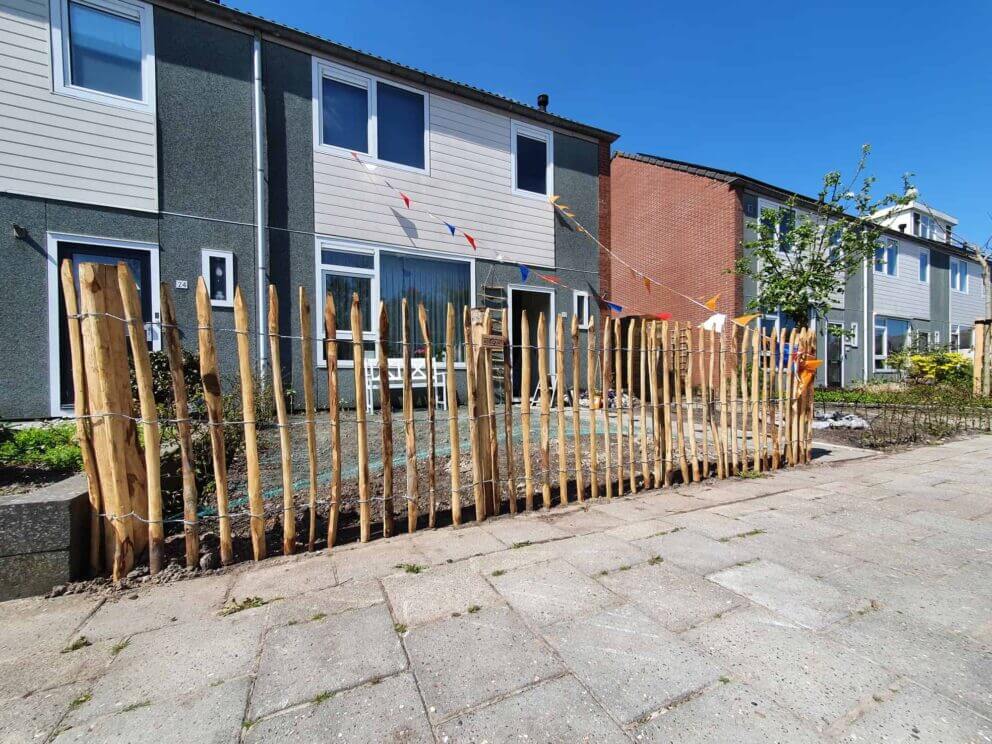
[386,412]
[473,424]
[690,413]
[511,467]
[643,395]
[722,445]
[591,387]
[210,375]
[607,386]
[173,349]
[412,477]
[743,357]
[256,506]
[149,416]
[776,407]
[560,408]
[361,420]
[453,436]
[82,410]
[618,373]
[657,431]
[580,487]
[333,415]
[542,372]
[282,420]
[734,374]
[310,410]
[525,405]
[755,397]
[493,440]
[704,402]
[631,444]
[425,331]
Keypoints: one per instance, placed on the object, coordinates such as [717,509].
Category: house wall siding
[903,295]
[60,147]
[468,184]
[966,308]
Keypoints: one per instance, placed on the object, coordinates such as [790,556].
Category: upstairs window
[104,51]
[218,273]
[924,226]
[360,113]
[886,258]
[925,267]
[959,276]
[786,221]
[532,158]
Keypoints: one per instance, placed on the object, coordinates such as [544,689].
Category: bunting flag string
[524,273]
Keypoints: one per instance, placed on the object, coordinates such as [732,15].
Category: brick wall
[605,225]
[681,229]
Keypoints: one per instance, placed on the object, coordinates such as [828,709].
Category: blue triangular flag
[451,228]
[524,273]
[614,307]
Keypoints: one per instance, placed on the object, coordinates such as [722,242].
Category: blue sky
[780,91]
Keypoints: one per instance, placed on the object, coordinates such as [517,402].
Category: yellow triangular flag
[710,304]
[553,198]
[745,319]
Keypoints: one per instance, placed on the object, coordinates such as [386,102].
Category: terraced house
[190,139]
[924,288]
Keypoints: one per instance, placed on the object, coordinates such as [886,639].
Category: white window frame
[323,68]
[61,62]
[963,274]
[890,246]
[956,329]
[228,256]
[535,133]
[374,274]
[52,246]
[885,344]
[585,321]
[853,338]
[924,255]
[928,227]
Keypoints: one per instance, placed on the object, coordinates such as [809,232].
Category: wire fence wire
[666,410]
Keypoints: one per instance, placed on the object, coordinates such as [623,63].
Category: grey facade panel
[940,295]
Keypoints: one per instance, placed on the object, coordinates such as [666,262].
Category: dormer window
[924,226]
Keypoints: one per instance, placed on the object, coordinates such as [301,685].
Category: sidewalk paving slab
[467,660]
[698,553]
[527,528]
[32,718]
[595,553]
[352,594]
[436,593]
[630,662]
[549,592]
[286,576]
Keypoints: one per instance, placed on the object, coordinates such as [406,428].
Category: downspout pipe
[261,214]
[868,330]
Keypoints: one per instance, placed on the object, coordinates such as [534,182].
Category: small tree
[801,259]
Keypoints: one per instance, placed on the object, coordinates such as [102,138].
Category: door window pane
[104,51]
[532,164]
[218,278]
[432,282]
[400,116]
[345,115]
[341,287]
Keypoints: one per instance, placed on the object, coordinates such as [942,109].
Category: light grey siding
[468,184]
[59,147]
[903,295]
[966,308]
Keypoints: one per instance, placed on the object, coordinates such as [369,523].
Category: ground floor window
[388,275]
[891,337]
[960,337]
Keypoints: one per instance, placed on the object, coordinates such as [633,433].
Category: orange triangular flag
[647,284]
[710,304]
[745,319]
[553,198]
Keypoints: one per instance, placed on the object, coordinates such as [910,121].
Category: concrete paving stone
[914,714]
[640,530]
[376,559]
[799,555]
[449,545]
[353,594]
[804,600]
[739,509]
[464,661]
[299,662]
[389,710]
[710,524]
[675,598]
[952,525]
[212,716]
[910,558]
[626,510]
[33,718]
[963,505]
[179,660]
[549,592]
[815,678]
[666,502]
[792,525]
[514,558]
[530,528]
[696,552]
[286,576]
[559,710]
[951,664]
[593,554]
[630,663]
[582,521]
[719,495]
[41,670]
[851,486]
[728,712]
[878,527]
[420,598]
[157,607]
[41,624]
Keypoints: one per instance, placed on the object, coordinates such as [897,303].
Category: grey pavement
[844,601]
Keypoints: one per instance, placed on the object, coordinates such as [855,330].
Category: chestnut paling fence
[648,403]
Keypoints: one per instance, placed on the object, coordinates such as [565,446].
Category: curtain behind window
[434,283]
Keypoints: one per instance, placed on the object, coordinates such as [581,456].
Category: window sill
[105,99]
[342,152]
[222,303]
[528,194]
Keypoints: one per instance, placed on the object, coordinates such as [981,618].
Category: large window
[382,274]
[104,51]
[360,113]
[925,266]
[786,222]
[532,151]
[961,338]
[891,337]
[959,276]
[887,258]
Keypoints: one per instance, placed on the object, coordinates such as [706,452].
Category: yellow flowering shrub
[940,366]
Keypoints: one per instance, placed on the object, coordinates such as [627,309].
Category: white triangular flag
[715,323]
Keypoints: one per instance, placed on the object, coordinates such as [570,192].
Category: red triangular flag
[663,316]
[470,239]
[406,199]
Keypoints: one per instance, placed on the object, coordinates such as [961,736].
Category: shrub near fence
[708,403]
